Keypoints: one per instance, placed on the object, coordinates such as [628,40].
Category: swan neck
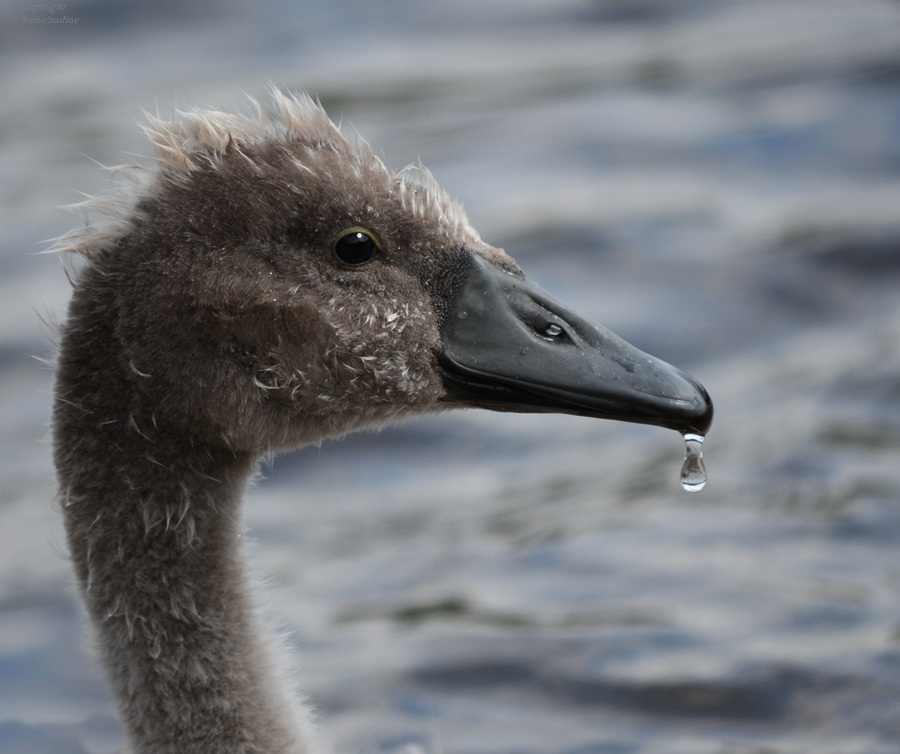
[154,530]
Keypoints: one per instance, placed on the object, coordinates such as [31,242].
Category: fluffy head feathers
[295,123]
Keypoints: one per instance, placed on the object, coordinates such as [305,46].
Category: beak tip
[700,416]
[703,422]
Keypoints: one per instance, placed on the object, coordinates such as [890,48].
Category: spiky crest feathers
[201,137]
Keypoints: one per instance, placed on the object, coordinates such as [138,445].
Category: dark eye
[356,246]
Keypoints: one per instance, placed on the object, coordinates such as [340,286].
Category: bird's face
[311,292]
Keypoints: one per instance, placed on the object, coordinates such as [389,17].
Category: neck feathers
[153,524]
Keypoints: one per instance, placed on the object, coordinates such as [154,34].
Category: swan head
[269,282]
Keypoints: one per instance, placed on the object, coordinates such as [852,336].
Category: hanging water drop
[693,470]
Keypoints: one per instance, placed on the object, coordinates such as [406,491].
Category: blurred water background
[718,181]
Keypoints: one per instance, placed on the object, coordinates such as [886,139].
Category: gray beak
[509,346]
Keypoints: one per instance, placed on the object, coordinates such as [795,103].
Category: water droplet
[693,470]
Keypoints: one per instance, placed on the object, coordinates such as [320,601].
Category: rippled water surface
[717,182]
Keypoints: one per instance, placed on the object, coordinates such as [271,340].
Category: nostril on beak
[552,331]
